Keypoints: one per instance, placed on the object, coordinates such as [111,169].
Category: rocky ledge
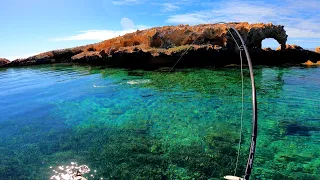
[201,45]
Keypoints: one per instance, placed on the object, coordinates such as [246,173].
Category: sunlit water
[155,125]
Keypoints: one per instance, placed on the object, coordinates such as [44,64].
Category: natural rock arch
[258,33]
[253,35]
[270,43]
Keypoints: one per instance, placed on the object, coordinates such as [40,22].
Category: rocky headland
[202,45]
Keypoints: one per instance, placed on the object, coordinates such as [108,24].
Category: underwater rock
[4,61]
[296,128]
[201,45]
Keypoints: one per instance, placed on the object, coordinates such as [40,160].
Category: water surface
[134,124]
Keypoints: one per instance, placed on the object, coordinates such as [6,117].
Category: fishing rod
[254,112]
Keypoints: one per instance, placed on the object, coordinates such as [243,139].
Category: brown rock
[215,34]
[317,50]
[4,61]
[290,46]
[201,45]
[308,63]
[42,58]
[55,56]
[267,49]
[92,56]
[156,39]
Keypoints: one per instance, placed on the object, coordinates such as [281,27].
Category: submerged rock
[292,128]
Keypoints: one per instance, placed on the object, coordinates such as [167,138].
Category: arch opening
[270,43]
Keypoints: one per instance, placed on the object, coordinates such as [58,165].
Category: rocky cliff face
[207,45]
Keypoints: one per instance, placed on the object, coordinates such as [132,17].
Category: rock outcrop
[56,56]
[93,57]
[206,44]
[4,61]
[215,34]
[290,46]
[310,63]
[317,50]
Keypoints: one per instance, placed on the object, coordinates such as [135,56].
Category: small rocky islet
[4,61]
[207,45]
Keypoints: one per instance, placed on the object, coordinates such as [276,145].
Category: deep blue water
[134,124]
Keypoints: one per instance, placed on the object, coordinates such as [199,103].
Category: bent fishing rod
[254,135]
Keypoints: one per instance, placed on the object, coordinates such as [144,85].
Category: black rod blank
[254,112]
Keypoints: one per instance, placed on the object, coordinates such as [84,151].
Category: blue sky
[32,26]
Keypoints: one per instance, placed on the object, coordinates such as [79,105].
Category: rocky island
[202,45]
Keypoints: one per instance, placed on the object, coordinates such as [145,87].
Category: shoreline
[200,57]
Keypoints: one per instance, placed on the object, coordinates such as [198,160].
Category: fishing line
[242,112]
[242,103]
[185,52]
[241,116]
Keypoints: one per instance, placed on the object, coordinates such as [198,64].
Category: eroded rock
[201,45]
[87,56]
[215,34]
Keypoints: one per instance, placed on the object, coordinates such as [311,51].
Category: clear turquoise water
[155,125]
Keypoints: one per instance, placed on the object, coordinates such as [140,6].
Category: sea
[134,124]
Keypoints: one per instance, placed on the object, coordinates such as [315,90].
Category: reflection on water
[155,125]
[72,172]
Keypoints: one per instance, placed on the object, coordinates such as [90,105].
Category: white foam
[139,81]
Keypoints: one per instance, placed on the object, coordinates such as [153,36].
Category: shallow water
[154,125]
